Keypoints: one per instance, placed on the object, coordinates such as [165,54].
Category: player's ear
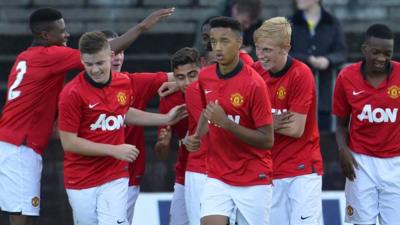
[364,48]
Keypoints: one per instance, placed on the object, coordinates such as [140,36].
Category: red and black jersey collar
[232,73]
[94,83]
[389,70]
[284,70]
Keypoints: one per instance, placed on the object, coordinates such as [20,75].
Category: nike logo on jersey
[357,92]
[91,106]
[120,221]
[305,217]
[378,115]
[207,91]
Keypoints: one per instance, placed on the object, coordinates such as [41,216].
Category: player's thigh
[178,215]
[83,203]
[194,184]
[280,207]
[361,193]
[253,204]
[112,202]
[305,194]
[20,175]
[389,191]
[133,193]
[216,200]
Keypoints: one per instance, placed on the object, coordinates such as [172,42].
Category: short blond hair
[277,28]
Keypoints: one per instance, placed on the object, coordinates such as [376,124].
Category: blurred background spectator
[319,41]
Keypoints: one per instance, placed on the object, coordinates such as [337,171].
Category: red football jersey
[146,86]
[374,126]
[180,130]
[196,161]
[293,89]
[34,84]
[246,58]
[97,114]
[242,94]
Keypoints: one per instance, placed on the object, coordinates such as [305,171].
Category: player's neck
[225,69]
[39,42]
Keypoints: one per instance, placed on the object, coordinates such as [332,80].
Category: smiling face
[226,44]
[185,75]
[271,54]
[98,65]
[377,52]
[55,34]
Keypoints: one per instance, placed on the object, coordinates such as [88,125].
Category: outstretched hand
[156,17]
[176,114]
[167,88]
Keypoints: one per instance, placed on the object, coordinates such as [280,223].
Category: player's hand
[322,62]
[348,163]
[125,152]
[163,142]
[156,17]
[283,120]
[215,114]
[167,88]
[176,114]
[192,143]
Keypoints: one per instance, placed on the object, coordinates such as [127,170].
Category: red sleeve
[261,104]
[341,106]
[302,89]
[70,111]
[147,84]
[246,58]
[203,100]
[64,59]
[193,106]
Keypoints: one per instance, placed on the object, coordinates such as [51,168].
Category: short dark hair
[39,19]
[226,22]
[185,56]
[109,34]
[93,42]
[207,21]
[379,31]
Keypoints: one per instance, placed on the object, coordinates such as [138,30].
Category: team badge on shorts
[349,210]
[281,93]
[393,91]
[122,99]
[35,201]
[237,100]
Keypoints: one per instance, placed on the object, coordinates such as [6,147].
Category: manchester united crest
[237,100]
[393,91]
[35,201]
[349,210]
[281,93]
[122,99]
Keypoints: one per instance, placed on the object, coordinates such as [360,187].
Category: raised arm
[124,41]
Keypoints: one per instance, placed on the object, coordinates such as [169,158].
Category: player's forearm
[342,133]
[291,127]
[262,138]
[73,143]
[124,41]
[202,126]
[142,118]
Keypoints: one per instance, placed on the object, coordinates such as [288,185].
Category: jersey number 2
[21,69]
